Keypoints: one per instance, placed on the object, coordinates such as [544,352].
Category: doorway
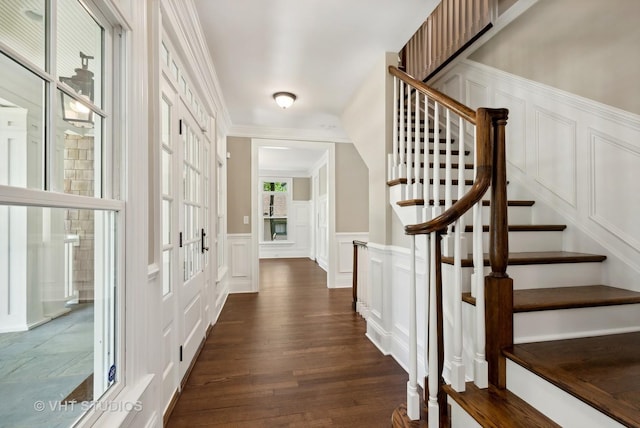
[275,161]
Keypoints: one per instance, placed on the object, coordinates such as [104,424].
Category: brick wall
[79,180]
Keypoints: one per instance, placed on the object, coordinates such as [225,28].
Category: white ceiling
[318,49]
[291,159]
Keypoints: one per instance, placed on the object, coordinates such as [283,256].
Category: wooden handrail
[354,281]
[460,109]
[487,121]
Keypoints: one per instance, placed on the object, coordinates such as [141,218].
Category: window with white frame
[275,206]
[60,214]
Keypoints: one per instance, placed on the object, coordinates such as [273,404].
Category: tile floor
[43,366]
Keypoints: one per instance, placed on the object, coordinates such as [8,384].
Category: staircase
[570,352]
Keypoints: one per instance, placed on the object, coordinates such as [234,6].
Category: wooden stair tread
[485,203]
[602,371]
[536,258]
[584,296]
[526,228]
[495,408]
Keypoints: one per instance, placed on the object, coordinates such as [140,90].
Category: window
[60,216]
[276,200]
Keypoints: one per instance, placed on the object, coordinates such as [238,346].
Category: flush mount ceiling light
[284,99]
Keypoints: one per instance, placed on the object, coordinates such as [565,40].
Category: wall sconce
[284,99]
[76,112]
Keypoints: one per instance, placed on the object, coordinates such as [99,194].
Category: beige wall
[586,47]
[238,184]
[301,189]
[352,190]
[322,178]
[367,120]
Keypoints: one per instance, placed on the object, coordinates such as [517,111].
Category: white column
[413,398]
[433,378]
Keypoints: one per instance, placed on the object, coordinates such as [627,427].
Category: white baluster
[481,374]
[426,188]
[402,172]
[417,190]
[461,184]
[457,366]
[427,279]
[434,376]
[410,163]
[436,160]
[413,398]
[394,170]
[448,168]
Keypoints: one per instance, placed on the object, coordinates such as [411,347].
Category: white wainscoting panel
[556,139]
[240,263]
[615,165]
[453,86]
[515,131]
[344,271]
[477,94]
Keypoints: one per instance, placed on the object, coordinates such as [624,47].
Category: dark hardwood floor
[294,355]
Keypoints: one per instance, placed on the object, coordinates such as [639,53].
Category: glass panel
[174,70]
[166,222]
[79,59]
[183,84]
[58,340]
[275,229]
[270,186]
[166,122]
[166,173]
[195,233]
[185,181]
[186,263]
[78,151]
[22,27]
[21,126]
[166,269]
[187,222]
[164,52]
[195,177]
[274,205]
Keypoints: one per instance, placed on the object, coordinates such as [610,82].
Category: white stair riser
[516,215]
[459,418]
[527,241]
[563,408]
[539,276]
[454,192]
[578,322]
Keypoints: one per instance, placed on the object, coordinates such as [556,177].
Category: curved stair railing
[422,162]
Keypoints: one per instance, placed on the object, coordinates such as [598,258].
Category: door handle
[203,248]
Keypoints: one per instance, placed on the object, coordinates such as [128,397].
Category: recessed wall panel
[556,154]
[515,130]
[615,201]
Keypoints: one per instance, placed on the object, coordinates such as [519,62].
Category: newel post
[498,285]
[355,276]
